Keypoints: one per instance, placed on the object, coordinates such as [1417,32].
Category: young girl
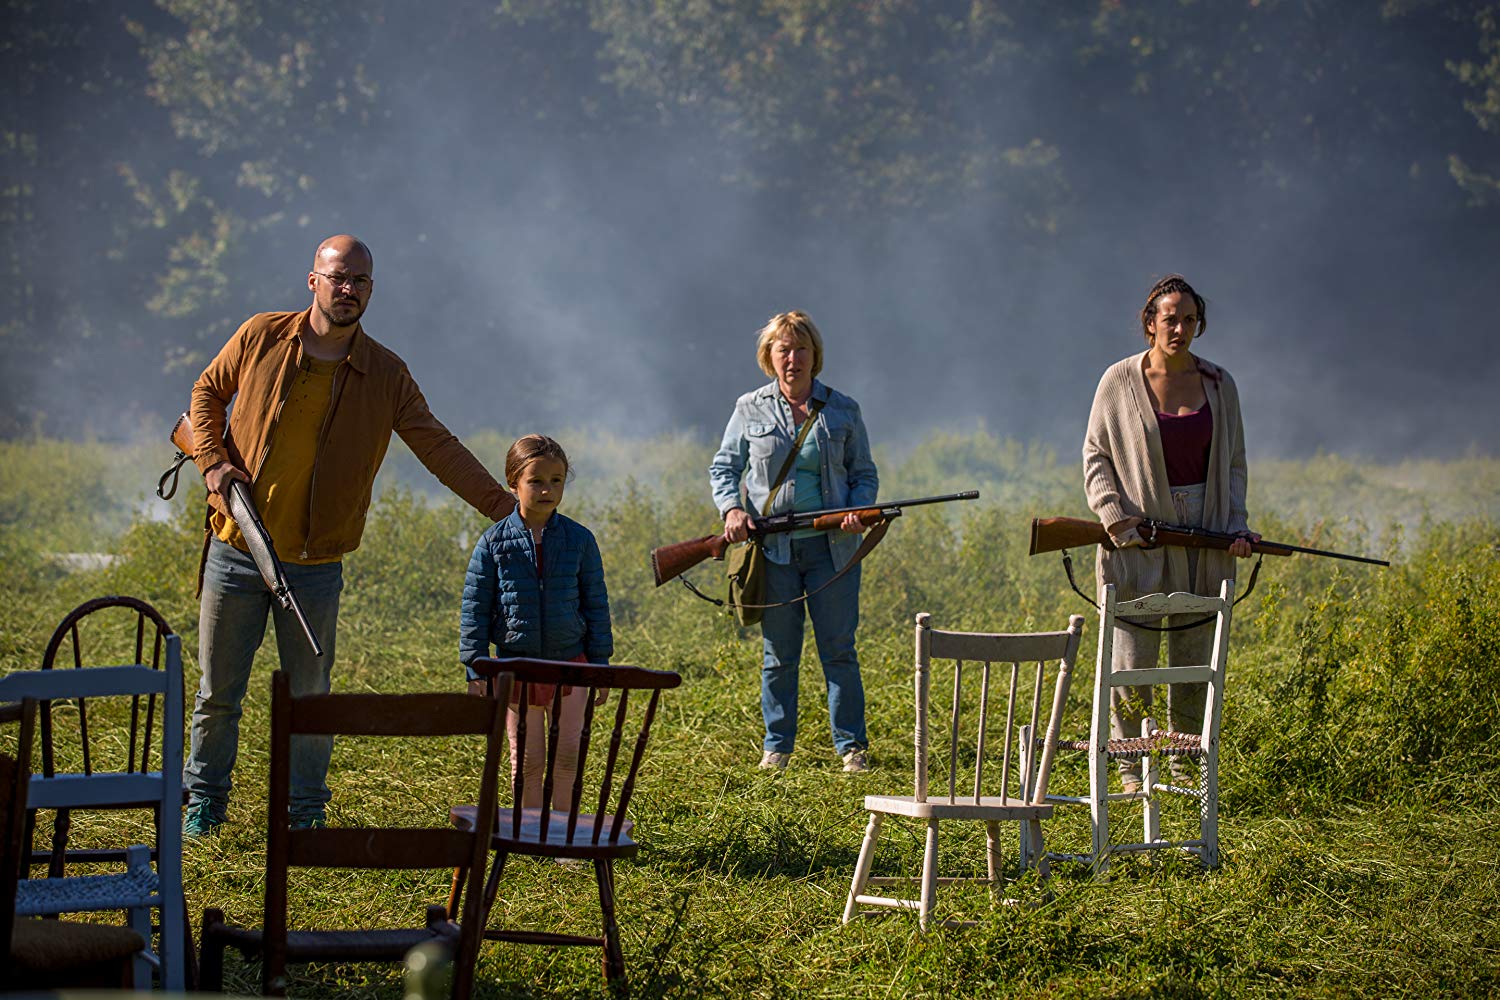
[535,587]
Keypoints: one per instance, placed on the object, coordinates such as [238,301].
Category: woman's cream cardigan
[1125,475]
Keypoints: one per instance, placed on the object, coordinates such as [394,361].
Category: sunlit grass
[1361,767]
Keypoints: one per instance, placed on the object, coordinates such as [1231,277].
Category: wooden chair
[48,954]
[423,848]
[142,887]
[1154,744]
[1021,699]
[600,837]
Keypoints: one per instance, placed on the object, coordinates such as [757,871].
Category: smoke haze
[557,248]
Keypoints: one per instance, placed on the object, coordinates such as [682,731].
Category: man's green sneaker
[200,821]
[308,823]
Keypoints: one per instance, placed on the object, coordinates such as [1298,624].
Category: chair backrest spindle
[984,720]
[1010,728]
[958,677]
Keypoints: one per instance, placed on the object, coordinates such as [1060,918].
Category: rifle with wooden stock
[671,561]
[1049,534]
[257,539]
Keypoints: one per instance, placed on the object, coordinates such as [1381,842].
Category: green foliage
[1361,765]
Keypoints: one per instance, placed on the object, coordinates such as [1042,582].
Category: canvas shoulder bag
[745,564]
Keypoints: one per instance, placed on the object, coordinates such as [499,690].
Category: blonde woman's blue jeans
[835,618]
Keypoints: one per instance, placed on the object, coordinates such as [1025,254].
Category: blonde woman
[832,468]
[1165,441]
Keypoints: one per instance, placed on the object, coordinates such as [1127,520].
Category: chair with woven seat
[600,837]
[48,954]
[99,693]
[1019,800]
[385,848]
[1154,744]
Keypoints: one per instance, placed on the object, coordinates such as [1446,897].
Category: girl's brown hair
[528,448]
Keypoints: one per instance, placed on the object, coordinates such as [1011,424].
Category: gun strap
[872,539]
[1067,558]
[791,459]
[165,491]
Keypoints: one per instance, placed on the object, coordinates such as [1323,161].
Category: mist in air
[582,212]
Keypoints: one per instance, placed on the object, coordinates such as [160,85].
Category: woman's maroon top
[1185,441]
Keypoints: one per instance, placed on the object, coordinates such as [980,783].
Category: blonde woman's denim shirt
[757,442]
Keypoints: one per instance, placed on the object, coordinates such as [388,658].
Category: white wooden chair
[1018,799]
[141,888]
[1153,744]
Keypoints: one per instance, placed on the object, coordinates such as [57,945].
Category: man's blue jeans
[231,624]
[835,616]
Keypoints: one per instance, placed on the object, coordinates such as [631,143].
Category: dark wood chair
[48,954]
[601,836]
[393,715]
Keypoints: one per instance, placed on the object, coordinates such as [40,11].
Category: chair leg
[139,918]
[492,887]
[992,853]
[1208,823]
[929,874]
[211,961]
[456,892]
[1151,814]
[614,958]
[1043,866]
[1099,810]
[862,867]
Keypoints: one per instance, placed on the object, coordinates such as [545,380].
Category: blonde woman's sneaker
[856,762]
[774,760]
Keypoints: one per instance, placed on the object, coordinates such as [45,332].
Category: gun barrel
[263,551]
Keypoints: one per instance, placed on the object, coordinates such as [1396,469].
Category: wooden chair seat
[583,844]
[138,887]
[350,945]
[1158,743]
[986,807]
[53,954]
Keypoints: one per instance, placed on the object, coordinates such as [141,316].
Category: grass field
[1361,763]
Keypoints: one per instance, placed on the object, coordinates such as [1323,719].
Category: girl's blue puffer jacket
[556,617]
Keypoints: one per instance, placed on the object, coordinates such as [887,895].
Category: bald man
[315,402]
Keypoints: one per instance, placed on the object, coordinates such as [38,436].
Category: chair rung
[1187,793]
[914,879]
[1160,845]
[543,937]
[900,904]
[1086,859]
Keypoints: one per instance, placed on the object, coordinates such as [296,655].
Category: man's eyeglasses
[361,283]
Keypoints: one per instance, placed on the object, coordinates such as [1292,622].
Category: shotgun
[1048,534]
[671,561]
[257,539]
